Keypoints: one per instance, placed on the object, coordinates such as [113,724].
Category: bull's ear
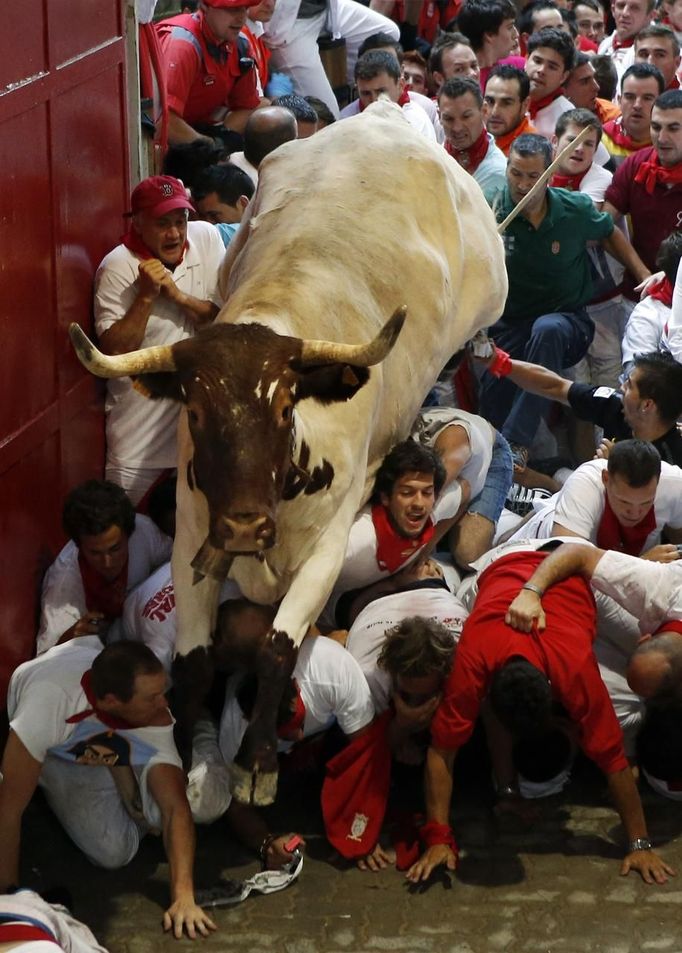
[156,386]
[331,382]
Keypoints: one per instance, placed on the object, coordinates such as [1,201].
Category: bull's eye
[286,412]
[193,416]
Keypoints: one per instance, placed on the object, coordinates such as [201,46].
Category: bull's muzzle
[245,532]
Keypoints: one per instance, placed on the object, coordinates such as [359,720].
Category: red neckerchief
[673,84]
[621,44]
[470,158]
[134,243]
[650,173]
[295,723]
[393,550]
[504,142]
[403,100]
[662,291]
[570,182]
[538,104]
[614,130]
[670,625]
[109,720]
[100,595]
[624,539]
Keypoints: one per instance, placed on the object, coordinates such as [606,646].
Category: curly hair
[417,647]
[94,506]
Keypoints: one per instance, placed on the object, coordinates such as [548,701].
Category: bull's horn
[362,355]
[145,361]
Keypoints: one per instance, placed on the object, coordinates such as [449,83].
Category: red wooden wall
[63,189]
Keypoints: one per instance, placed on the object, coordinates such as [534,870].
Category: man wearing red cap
[156,287]
[211,79]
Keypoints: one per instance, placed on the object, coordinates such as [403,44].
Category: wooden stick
[545,177]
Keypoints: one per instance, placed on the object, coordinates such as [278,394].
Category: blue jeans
[554,341]
[490,501]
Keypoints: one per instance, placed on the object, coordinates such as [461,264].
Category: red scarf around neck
[614,130]
[295,723]
[570,182]
[662,291]
[624,539]
[100,595]
[109,720]
[470,158]
[403,100]
[504,142]
[393,550]
[651,173]
[622,44]
[537,104]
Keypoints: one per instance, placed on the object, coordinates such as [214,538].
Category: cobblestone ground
[551,888]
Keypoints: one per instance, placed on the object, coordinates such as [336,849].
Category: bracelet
[501,364]
[639,843]
[265,846]
[533,588]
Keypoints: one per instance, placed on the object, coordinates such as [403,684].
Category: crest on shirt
[209,80]
[556,248]
[358,827]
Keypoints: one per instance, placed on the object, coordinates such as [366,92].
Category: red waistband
[12,932]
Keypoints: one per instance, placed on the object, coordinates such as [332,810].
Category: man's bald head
[266,129]
[655,668]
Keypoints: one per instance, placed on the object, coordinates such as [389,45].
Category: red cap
[158,195]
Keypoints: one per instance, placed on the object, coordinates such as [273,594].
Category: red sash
[100,595]
[622,44]
[614,130]
[393,550]
[651,173]
[403,100]
[134,243]
[470,158]
[25,933]
[624,539]
[355,790]
[538,104]
[570,182]
[670,625]
[109,720]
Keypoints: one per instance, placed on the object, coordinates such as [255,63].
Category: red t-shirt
[563,652]
[653,217]
[199,82]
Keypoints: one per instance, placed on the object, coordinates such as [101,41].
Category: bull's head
[240,384]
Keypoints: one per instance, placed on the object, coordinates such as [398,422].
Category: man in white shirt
[157,287]
[630,17]
[551,54]
[378,71]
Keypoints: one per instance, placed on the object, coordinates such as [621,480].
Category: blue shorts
[490,501]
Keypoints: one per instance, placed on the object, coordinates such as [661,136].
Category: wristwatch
[639,843]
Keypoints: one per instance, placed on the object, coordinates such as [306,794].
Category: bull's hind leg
[254,771]
[192,676]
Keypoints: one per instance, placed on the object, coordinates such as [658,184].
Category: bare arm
[248,826]
[629,806]
[536,379]
[180,131]
[558,529]
[20,772]
[439,764]
[611,210]
[621,249]
[167,786]
[568,560]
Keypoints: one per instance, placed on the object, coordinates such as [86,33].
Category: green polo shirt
[548,267]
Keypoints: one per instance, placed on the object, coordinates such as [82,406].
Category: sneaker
[519,456]
[521,499]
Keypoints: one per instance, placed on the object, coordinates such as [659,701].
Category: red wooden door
[64,167]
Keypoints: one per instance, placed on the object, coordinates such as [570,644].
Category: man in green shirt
[544,319]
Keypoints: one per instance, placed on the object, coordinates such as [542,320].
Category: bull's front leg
[254,771]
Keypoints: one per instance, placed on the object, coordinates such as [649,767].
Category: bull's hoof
[253,787]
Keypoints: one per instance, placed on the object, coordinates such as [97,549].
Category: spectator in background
[466,139]
[589,19]
[377,72]
[550,59]
[582,89]
[630,16]
[304,114]
[156,287]
[111,550]
[606,75]
[211,87]
[452,55]
[658,45]
[187,160]
[490,26]
[505,104]
[267,129]
[414,72]
[221,195]
[628,133]
[535,17]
